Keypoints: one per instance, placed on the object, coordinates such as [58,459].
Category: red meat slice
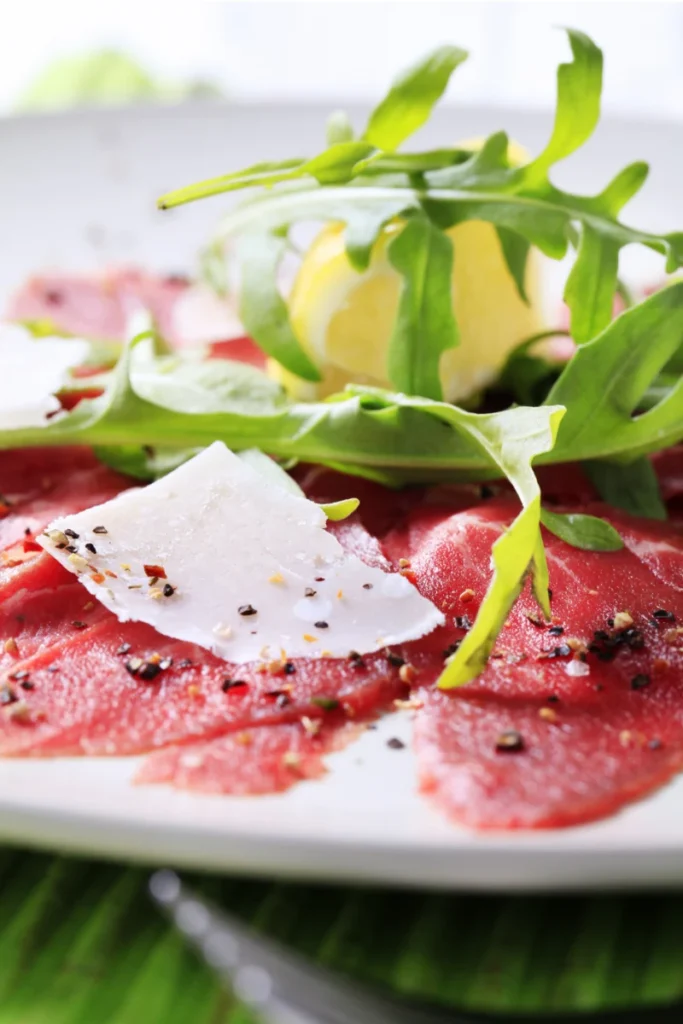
[85,700]
[35,621]
[251,762]
[101,306]
[658,544]
[591,742]
[28,572]
[39,484]
[242,350]
[98,307]
[669,468]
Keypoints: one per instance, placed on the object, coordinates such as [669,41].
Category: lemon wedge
[344,319]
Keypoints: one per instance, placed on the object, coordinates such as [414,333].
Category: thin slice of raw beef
[38,619]
[101,307]
[98,307]
[37,485]
[121,688]
[250,762]
[570,720]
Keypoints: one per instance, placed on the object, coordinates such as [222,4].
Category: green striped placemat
[80,943]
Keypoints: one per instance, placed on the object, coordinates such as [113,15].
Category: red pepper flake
[467,595]
[111,574]
[98,577]
[155,570]
[30,545]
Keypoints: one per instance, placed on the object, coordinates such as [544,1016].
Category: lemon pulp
[344,319]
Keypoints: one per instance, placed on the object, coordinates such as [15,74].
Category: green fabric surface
[81,943]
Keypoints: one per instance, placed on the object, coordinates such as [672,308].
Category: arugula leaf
[191,384]
[263,311]
[511,440]
[338,163]
[526,376]
[363,227]
[143,462]
[411,98]
[591,284]
[376,433]
[579,86]
[456,185]
[373,432]
[267,172]
[425,325]
[623,188]
[631,486]
[339,128]
[589,533]
[515,249]
[338,510]
[604,382]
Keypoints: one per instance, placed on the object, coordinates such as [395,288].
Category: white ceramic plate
[78,192]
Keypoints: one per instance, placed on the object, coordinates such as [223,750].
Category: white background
[329,51]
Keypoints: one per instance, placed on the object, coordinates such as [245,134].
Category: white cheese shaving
[31,371]
[246,569]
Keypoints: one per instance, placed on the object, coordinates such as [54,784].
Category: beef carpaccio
[571,720]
